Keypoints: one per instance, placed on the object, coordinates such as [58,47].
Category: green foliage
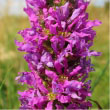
[101,44]
[11,61]
[107,4]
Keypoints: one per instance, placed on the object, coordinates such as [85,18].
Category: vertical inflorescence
[58,54]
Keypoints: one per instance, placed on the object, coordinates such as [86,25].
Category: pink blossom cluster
[58,54]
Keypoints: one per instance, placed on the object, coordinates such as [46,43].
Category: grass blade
[5,77]
[100,76]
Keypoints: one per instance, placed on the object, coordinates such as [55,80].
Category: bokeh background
[13,19]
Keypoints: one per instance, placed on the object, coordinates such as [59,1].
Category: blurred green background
[11,61]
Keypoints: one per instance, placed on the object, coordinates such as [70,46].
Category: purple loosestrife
[58,54]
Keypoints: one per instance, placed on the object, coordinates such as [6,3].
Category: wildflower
[58,53]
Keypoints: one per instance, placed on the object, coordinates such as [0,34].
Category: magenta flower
[58,54]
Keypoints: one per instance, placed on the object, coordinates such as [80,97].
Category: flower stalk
[58,54]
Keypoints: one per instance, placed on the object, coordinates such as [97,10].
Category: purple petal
[46,58]
[75,71]
[51,74]
[57,88]
[58,66]
[94,53]
[93,23]
[37,3]
[53,28]
[49,106]
[57,43]
[65,10]
[64,99]
[75,96]
[74,15]
[63,24]
[76,85]
[28,78]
